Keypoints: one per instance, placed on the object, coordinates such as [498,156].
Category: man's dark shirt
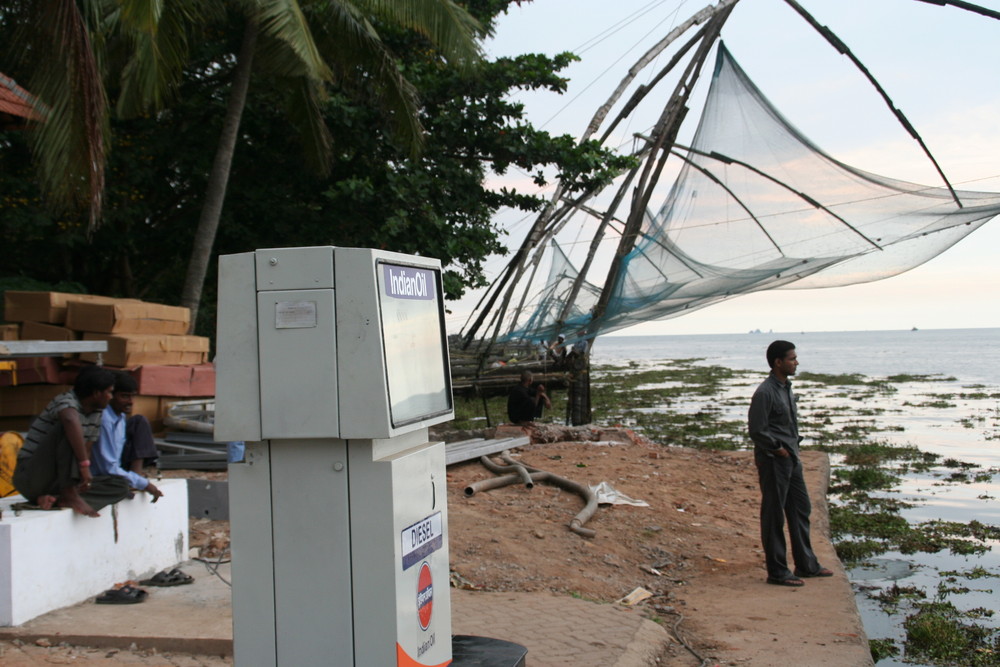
[521,404]
[772,419]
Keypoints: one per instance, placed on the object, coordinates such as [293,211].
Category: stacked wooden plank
[148,340]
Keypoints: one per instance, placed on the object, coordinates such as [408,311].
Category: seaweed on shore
[939,633]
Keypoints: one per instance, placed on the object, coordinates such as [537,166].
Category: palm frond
[346,38]
[70,143]
[283,20]
[450,28]
[305,114]
[158,37]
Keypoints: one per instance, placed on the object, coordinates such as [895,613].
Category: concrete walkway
[197,619]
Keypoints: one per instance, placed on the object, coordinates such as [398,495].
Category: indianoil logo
[425,596]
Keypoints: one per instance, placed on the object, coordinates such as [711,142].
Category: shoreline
[701,531]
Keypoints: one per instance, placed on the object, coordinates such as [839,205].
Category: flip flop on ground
[123,595]
[172,578]
[794,582]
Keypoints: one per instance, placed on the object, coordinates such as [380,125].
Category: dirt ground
[695,547]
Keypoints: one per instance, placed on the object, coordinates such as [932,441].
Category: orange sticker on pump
[404,660]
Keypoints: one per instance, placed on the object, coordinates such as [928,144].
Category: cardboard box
[32,370]
[28,400]
[131,350]
[41,331]
[153,408]
[150,407]
[8,332]
[182,381]
[47,307]
[124,316]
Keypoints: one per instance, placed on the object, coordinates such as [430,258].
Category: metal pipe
[537,475]
[584,515]
[521,470]
[492,483]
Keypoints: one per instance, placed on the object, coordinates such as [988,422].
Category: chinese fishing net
[758,206]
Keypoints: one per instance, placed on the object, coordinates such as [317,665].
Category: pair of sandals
[128,594]
[795,581]
[123,595]
[172,578]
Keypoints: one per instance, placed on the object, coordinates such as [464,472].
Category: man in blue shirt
[122,434]
[774,428]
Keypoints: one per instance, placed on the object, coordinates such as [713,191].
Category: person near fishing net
[774,428]
[526,401]
[557,350]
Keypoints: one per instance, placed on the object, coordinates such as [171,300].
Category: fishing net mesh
[758,206]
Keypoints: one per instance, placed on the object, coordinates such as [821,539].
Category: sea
[971,354]
[952,410]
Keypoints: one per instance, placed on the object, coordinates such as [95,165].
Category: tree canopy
[372,192]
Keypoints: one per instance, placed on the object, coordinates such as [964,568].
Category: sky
[938,64]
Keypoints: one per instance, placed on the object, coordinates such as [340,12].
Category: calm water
[965,368]
[972,355]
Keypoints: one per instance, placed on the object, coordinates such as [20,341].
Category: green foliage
[470,412]
[862,478]
[854,551]
[643,399]
[374,194]
[936,633]
[882,648]
[890,598]
[978,572]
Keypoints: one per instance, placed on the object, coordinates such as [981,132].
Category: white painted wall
[54,559]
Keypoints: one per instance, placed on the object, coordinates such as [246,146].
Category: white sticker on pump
[295,315]
[421,539]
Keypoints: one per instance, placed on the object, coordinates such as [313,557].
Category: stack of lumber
[148,340]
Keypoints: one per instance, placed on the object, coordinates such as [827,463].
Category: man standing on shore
[774,429]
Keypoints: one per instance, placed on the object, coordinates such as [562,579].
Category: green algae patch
[941,634]
[882,648]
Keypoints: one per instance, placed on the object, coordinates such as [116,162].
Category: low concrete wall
[53,559]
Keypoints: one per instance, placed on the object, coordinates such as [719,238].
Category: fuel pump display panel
[413,336]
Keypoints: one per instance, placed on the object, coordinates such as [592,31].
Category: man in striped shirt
[53,465]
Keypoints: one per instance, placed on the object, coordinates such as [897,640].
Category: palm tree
[71,50]
[66,51]
[312,42]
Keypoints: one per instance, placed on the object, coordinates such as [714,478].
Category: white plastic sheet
[608,495]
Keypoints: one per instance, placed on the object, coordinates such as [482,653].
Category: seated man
[53,465]
[126,442]
[525,403]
